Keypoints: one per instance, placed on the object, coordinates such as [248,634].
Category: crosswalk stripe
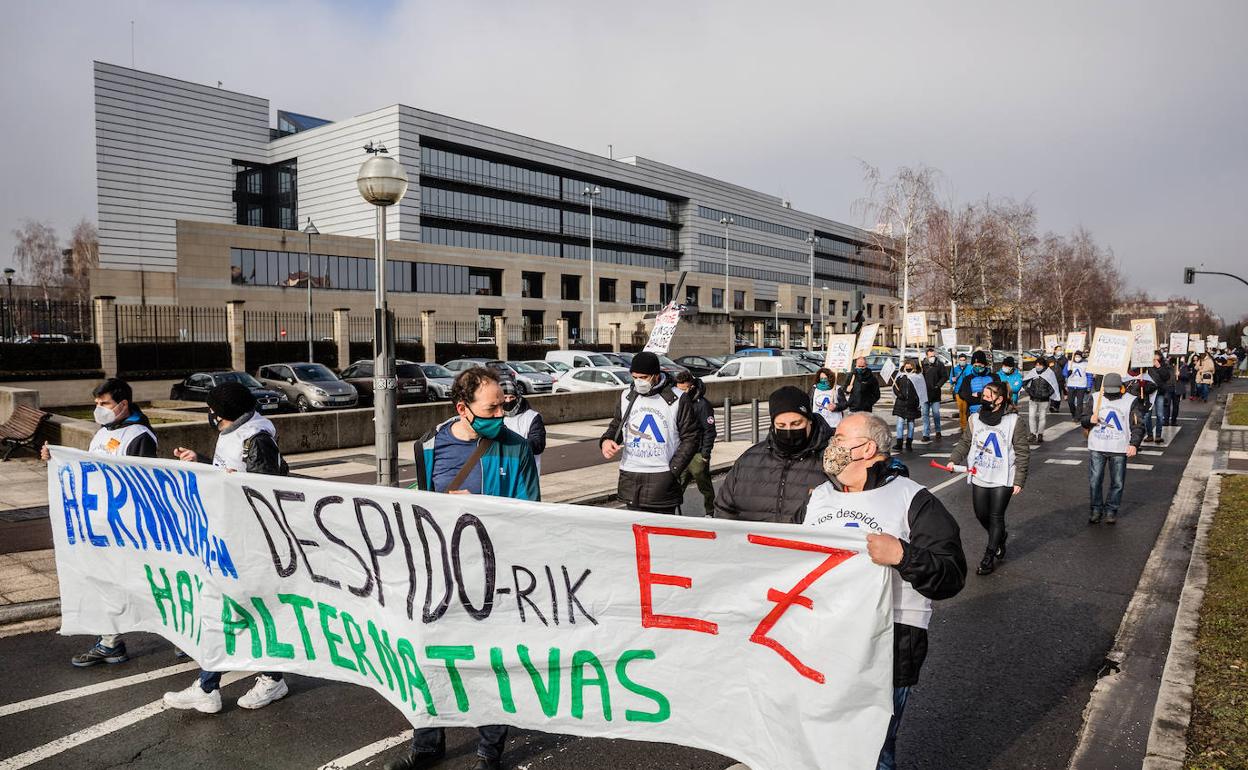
[92,689]
[364,752]
[1053,461]
[107,727]
[1139,467]
[938,454]
[1149,452]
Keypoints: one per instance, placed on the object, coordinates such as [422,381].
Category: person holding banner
[998,445]
[1162,376]
[1058,364]
[1042,391]
[1078,381]
[907,530]
[699,468]
[828,398]
[655,435]
[862,391]
[1114,420]
[935,373]
[521,418]
[124,430]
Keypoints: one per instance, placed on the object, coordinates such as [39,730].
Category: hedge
[164,360]
[49,361]
[263,353]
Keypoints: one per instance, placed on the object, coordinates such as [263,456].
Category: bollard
[727,419]
[754,420]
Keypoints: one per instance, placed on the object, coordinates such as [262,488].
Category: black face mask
[790,439]
[214,421]
[510,407]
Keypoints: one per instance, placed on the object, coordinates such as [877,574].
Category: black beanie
[231,400]
[1009,361]
[645,362]
[789,399]
[979,357]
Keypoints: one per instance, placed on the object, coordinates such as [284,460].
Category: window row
[254,267]
[452,204]
[618,200]
[619,230]
[757,249]
[740,220]
[447,164]
[487,241]
[832,282]
[429,278]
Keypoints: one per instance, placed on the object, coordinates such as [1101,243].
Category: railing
[407,328]
[532,333]
[462,332]
[170,323]
[29,320]
[284,326]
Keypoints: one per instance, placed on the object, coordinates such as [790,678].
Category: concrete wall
[54,393]
[11,398]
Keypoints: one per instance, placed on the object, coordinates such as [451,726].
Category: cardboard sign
[840,357]
[1076,341]
[476,610]
[1110,352]
[1178,344]
[916,328]
[866,340]
[949,338]
[1211,341]
[888,370]
[1051,342]
[1196,346]
[664,327]
[1143,341]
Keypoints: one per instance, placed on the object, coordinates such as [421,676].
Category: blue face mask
[823,385]
[486,427]
[980,368]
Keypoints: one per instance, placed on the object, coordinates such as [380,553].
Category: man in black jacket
[862,391]
[773,480]
[655,436]
[935,375]
[699,469]
[909,530]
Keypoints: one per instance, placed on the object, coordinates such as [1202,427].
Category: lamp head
[382,180]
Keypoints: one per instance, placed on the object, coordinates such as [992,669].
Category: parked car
[576,359]
[700,366]
[627,358]
[529,380]
[756,366]
[493,364]
[670,367]
[308,386]
[758,352]
[559,367]
[593,378]
[411,389]
[807,365]
[545,367]
[196,387]
[616,359]
[439,379]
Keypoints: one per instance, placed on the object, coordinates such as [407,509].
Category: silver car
[310,387]
[440,381]
[529,380]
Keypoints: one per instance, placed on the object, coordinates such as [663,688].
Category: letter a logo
[649,423]
[1111,420]
[992,444]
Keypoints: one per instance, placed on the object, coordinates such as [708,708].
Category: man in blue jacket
[973,382]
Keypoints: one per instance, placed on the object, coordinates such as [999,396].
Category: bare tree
[84,255]
[1018,224]
[38,255]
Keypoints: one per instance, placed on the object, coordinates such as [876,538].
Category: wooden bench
[20,429]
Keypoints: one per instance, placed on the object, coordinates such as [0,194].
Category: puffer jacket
[704,415]
[766,484]
[906,406]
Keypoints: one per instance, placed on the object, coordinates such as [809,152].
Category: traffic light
[1189,275]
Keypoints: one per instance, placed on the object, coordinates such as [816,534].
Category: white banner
[1211,341]
[1076,341]
[1111,351]
[1143,342]
[1051,341]
[475,610]
[916,328]
[1178,344]
[949,338]
[664,327]
[866,340]
[840,357]
[1196,346]
[887,371]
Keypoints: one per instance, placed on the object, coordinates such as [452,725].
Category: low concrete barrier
[13,397]
[53,393]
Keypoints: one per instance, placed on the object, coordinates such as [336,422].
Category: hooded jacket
[132,437]
[768,484]
[703,415]
[525,416]
[1012,379]
[655,490]
[973,384]
[934,374]
[862,391]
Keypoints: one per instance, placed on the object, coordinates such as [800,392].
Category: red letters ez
[794,596]
[647,579]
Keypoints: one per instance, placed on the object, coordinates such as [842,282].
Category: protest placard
[1143,341]
[949,338]
[476,610]
[1051,341]
[1196,346]
[866,340]
[916,329]
[1110,352]
[1178,344]
[840,357]
[887,371]
[664,327]
[1211,341]
[1076,341]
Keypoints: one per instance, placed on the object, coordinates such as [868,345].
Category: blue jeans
[904,426]
[1155,418]
[491,740]
[211,680]
[931,411]
[1111,500]
[888,752]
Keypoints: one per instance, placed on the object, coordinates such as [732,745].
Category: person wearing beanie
[960,371]
[655,434]
[1057,362]
[935,373]
[246,442]
[699,468]
[861,391]
[907,404]
[521,418]
[973,382]
[773,479]
[1011,376]
[1114,420]
[1078,380]
[1043,392]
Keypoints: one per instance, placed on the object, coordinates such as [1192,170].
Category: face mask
[510,407]
[1008,369]
[980,368]
[214,421]
[837,458]
[1078,359]
[642,387]
[790,438]
[104,415]
[931,356]
[824,385]
[486,427]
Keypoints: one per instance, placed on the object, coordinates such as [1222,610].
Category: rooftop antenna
[218,84]
[132,44]
[610,152]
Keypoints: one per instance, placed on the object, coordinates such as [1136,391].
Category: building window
[638,292]
[845,307]
[717,299]
[666,292]
[738,300]
[801,304]
[485,282]
[817,306]
[606,290]
[869,310]
[266,195]
[531,285]
[691,296]
[533,318]
[570,287]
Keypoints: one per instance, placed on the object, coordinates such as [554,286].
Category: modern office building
[201,201]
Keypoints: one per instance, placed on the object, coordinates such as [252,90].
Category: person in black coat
[907,406]
[862,391]
[935,375]
[699,468]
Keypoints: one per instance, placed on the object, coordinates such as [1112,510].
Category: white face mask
[642,386]
[103,415]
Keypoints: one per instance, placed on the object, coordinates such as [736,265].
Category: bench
[20,429]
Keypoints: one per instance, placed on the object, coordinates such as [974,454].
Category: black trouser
[990,504]
[1076,396]
[1173,399]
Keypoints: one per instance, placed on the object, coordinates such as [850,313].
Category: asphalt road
[1012,659]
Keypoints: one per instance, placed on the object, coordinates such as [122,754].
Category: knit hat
[789,399]
[1112,381]
[231,400]
[645,362]
[1009,361]
[979,357]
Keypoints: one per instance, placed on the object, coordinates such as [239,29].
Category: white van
[578,359]
[756,366]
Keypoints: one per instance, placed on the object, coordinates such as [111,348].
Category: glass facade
[255,267]
[740,220]
[266,195]
[614,199]
[458,167]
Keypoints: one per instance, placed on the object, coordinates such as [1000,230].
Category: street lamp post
[8,308]
[732,337]
[592,193]
[383,182]
[778,322]
[812,240]
[824,311]
[310,230]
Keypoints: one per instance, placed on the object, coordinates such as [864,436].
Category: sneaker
[484,763]
[263,692]
[179,654]
[415,761]
[926,438]
[194,697]
[1111,517]
[101,654]
[1159,441]
[1094,517]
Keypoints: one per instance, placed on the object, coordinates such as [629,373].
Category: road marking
[944,484]
[1139,467]
[938,454]
[1052,461]
[364,752]
[92,689]
[100,730]
[1149,452]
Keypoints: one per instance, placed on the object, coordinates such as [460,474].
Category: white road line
[1052,461]
[1151,452]
[1139,467]
[92,689]
[364,752]
[99,730]
[938,454]
[944,484]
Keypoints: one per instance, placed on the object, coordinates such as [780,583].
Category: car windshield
[437,371]
[522,367]
[665,361]
[599,360]
[715,361]
[313,373]
[410,371]
[541,366]
[242,377]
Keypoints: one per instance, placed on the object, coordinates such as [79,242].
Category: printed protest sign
[887,370]
[1051,341]
[1076,341]
[866,340]
[949,338]
[1196,346]
[1143,341]
[1178,344]
[664,327]
[475,610]
[916,328]
[1110,352]
[1211,342]
[840,356]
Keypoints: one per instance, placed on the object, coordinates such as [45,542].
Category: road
[1012,659]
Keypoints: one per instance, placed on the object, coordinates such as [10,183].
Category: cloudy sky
[1128,118]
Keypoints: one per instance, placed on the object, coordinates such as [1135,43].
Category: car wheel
[175,393]
[302,404]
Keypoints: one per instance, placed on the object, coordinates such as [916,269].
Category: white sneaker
[194,697]
[264,692]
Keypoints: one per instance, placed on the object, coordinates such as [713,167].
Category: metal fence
[286,326]
[548,333]
[407,328]
[462,332]
[170,323]
[28,320]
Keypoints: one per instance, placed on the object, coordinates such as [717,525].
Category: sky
[1127,118]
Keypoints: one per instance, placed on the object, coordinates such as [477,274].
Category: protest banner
[1196,346]
[887,371]
[664,327]
[1178,344]
[1076,341]
[916,329]
[866,340]
[840,357]
[1211,341]
[1143,341]
[1110,352]
[949,338]
[768,643]
[1051,341]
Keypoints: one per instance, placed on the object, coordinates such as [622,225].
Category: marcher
[1078,381]
[1042,391]
[246,442]
[1176,390]
[699,468]
[973,382]
[998,448]
[1204,376]
[911,531]
[472,453]
[828,398]
[1011,376]
[1158,416]
[862,391]
[773,479]
[907,406]
[520,417]
[1115,423]
[960,371]
[655,435]
[935,373]
[124,432]
[1058,364]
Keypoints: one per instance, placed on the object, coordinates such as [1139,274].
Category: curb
[18,613]
[1226,416]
